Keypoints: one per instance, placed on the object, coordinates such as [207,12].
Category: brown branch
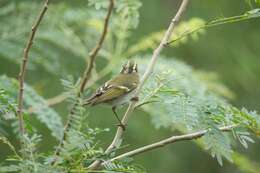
[118,136]
[85,77]
[24,66]
[94,52]
[167,141]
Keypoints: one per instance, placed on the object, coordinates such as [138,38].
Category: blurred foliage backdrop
[231,51]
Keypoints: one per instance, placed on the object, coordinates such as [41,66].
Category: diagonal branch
[167,141]
[85,79]
[118,136]
[94,52]
[221,21]
[24,66]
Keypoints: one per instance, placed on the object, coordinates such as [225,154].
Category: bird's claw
[136,99]
[122,126]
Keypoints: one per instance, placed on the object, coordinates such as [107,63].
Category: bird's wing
[107,93]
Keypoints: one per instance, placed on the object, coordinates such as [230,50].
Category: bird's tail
[87,102]
[90,101]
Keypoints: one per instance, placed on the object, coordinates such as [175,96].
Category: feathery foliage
[176,96]
[184,101]
[32,100]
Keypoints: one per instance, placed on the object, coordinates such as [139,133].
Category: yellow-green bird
[119,90]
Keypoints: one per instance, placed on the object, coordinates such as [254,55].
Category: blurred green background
[232,51]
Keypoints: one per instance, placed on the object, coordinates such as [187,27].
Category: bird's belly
[122,99]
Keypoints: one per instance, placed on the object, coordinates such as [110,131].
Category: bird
[117,91]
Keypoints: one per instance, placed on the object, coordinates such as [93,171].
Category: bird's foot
[136,99]
[122,126]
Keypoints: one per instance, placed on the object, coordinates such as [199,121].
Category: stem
[213,23]
[85,79]
[24,66]
[118,136]
[167,141]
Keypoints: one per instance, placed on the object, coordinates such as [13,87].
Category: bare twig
[118,136]
[85,77]
[167,141]
[24,65]
[94,52]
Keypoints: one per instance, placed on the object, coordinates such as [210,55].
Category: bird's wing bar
[107,93]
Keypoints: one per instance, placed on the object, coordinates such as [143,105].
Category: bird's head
[129,67]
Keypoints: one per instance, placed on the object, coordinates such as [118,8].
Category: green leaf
[8,143]
[7,106]
[253,13]
[10,168]
[43,112]
[244,137]
[98,3]
[218,144]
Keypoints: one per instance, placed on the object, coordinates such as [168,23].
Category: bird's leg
[120,123]
[136,99]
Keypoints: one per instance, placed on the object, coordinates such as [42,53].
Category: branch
[85,78]
[227,20]
[94,52]
[24,65]
[167,141]
[118,136]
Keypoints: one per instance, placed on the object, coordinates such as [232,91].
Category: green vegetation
[176,99]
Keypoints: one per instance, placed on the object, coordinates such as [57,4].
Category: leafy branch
[246,16]
[94,52]
[118,136]
[24,66]
[12,148]
[170,140]
[86,77]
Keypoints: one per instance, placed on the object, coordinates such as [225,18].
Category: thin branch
[24,66]
[85,78]
[167,141]
[118,136]
[94,52]
[227,20]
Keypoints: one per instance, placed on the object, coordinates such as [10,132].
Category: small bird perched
[119,90]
